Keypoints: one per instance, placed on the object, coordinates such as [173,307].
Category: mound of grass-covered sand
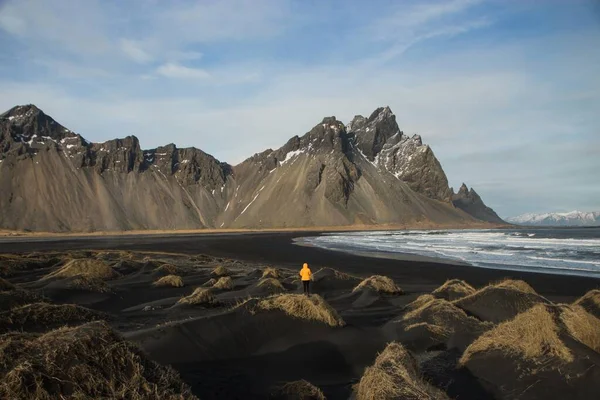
[13,263]
[18,297]
[541,344]
[312,308]
[38,317]
[430,322]
[380,284]
[167,269]
[169,280]
[224,282]
[86,362]
[220,271]
[88,267]
[5,285]
[395,375]
[88,283]
[271,273]
[297,390]
[271,284]
[591,302]
[209,283]
[453,289]
[500,301]
[515,284]
[582,325]
[200,296]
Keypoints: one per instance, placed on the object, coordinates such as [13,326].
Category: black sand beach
[227,313]
[414,272]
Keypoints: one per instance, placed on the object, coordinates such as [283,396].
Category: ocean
[567,251]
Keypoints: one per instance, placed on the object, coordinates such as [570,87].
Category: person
[306,276]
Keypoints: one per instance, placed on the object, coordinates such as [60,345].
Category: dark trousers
[306,285]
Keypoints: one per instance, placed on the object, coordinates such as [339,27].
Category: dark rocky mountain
[469,201]
[368,172]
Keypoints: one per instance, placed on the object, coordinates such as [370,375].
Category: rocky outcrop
[367,172]
[469,201]
[380,140]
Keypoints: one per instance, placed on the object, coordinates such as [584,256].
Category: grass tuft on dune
[395,375]
[42,316]
[220,271]
[224,282]
[88,267]
[532,335]
[591,302]
[200,296]
[300,306]
[271,284]
[453,289]
[299,390]
[169,280]
[84,362]
[271,273]
[379,283]
[82,282]
[515,284]
[582,325]
[167,269]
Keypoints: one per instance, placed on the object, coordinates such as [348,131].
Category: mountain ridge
[571,218]
[367,172]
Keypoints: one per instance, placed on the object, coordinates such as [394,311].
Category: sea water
[569,251]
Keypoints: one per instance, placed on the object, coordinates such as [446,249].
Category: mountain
[573,218]
[469,201]
[368,172]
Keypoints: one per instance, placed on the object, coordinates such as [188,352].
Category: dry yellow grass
[18,297]
[210,282]
[88,267]
[200,296]
[221,271]
[300,306]
[515,284]
[440,317]
[90,284]
[86,362]
[453,289]
[167,269]
[6,285]
[169,280]
[381,284]
[395,375]
[591,302]
[531,336]
[582,325]
[224,282]
[299,390]
[41,316]
[271,284]
[271,273]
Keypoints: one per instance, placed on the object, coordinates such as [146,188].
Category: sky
[506,92]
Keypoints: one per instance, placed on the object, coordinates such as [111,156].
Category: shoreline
[7,233]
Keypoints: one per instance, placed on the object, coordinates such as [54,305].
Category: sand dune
[217,321]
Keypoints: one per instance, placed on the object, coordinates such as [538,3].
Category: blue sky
[507,93]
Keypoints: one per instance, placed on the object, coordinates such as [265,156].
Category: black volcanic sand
[227,346]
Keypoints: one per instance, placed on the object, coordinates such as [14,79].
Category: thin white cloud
[134,51]
[177,71]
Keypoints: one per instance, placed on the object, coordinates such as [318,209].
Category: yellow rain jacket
[305,273]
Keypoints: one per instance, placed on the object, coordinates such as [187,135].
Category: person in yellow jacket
[306,276]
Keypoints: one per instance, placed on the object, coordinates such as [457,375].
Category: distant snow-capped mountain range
[572,218]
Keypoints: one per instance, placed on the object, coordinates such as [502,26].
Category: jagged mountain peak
[469,201]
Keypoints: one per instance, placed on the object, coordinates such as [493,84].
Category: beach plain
[222,316]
